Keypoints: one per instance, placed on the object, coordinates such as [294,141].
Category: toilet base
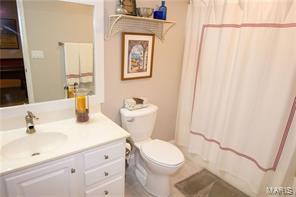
[155,184]
[158,185]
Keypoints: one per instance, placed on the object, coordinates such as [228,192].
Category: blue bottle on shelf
[163,9]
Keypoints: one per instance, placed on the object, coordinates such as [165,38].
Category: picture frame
[8,34]
[130,7]
[137,55]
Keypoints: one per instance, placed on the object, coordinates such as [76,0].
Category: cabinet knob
[73,170]
[106,192]
[106,156]
[106,173]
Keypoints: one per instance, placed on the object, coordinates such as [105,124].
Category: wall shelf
[119,23]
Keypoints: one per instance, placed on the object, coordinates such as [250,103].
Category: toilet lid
[162,152]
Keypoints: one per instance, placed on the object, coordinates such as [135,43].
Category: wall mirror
[47,50]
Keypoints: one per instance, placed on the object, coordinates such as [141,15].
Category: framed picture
[8,34]
[137,55]
[130,6]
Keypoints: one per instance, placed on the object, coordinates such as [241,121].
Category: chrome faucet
[29,122]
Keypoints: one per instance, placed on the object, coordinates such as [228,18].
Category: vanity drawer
[103,155]
[103,172]
[115,187]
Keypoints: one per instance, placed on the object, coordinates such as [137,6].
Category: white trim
[25,49]
[95,100]
[99,31]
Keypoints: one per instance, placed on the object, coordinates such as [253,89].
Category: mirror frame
[62,104]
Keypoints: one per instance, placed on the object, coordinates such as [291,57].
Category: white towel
[71,54]
[86,62]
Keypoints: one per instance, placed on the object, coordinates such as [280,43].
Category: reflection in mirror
[13,88]
[60,52]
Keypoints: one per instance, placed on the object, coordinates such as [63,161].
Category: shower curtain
[238,91]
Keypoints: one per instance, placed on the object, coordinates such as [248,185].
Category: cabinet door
[54,180]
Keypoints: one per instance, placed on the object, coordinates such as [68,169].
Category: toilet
[155,159]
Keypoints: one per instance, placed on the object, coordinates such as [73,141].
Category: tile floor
[134,189]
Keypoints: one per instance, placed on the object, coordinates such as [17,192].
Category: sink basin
[33,145]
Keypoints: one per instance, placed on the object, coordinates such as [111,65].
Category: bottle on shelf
[163,9]
[161,12]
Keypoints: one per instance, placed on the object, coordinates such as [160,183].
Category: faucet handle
[31,115]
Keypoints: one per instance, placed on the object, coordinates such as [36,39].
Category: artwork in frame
[8,34]
[130,6]
[137,55]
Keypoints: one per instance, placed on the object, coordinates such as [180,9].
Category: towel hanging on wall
[86,62]
[71,55]
[78,62]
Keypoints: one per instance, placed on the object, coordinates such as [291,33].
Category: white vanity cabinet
[95,172]
[54,179]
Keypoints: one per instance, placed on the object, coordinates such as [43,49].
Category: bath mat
[206,184]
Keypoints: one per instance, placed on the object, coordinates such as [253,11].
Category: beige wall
[47,23]
[9,10]
[162,88]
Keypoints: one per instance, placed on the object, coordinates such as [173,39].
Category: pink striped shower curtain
[243,89]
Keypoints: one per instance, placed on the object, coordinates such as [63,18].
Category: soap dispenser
[82,105]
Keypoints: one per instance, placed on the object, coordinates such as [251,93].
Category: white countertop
[97,131]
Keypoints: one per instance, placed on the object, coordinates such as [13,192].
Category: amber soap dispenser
[82,105]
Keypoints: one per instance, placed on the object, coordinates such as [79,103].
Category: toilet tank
[139,123]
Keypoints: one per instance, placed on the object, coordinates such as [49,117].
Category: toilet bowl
[161,160]
[156,160]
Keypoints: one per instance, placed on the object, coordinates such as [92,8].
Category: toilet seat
[162,153]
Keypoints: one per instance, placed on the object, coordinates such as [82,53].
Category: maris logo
[279,191]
